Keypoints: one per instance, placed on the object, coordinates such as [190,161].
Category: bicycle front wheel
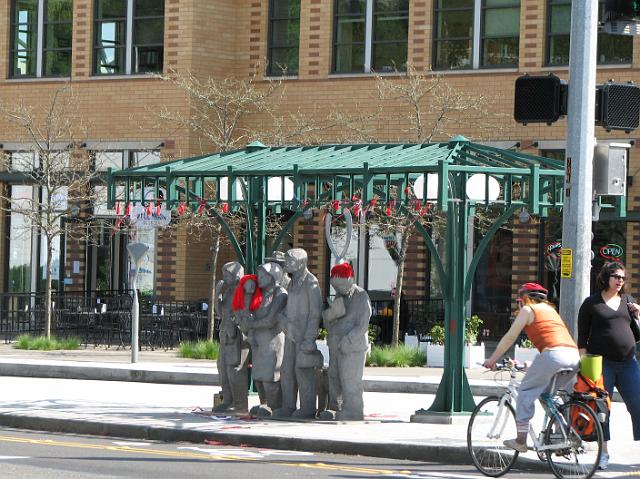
[576,438]
[490,424]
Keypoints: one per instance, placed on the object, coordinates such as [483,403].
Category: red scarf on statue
[237,304]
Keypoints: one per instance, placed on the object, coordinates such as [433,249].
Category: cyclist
[544,327]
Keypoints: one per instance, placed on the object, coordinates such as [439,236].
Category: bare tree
[52,164]
[436,109]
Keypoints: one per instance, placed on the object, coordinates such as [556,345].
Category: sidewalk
[174,404]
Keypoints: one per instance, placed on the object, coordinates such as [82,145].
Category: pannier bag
[597,398]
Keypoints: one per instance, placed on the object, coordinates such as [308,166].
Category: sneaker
[604,461]
[514,444]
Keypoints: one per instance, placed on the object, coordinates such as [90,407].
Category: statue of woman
[266,338]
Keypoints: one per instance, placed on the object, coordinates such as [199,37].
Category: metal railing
[102,318]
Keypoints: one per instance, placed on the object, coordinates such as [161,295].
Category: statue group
[276,315]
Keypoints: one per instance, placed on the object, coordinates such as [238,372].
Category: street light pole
[577,209]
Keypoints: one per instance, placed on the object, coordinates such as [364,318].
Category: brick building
[332,52]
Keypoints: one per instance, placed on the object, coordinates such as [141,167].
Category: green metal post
[454,394]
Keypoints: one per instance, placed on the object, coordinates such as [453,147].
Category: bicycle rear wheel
[574,458]
[490,424]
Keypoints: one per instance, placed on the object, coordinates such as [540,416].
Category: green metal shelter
[260,179]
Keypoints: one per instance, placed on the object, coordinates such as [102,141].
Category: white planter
[525,354]
[472,355]
[411,341]
[321,344]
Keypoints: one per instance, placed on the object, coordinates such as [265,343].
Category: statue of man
[266,338]
[278,258]
[300,323]
[234,350]
[347,323]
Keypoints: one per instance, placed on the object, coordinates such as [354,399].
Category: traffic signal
[618,106]
[615,10]
[540,99]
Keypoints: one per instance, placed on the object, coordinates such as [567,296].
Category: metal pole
[576,216]
[137,251]
[135,318]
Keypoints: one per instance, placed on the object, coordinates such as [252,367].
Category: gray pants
[538,381]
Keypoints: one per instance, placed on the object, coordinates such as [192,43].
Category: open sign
[611,251]
[554,247]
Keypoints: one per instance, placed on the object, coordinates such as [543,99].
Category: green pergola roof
[380,170]
[257,159]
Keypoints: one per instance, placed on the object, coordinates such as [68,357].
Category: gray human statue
[300,323]
[278,258]
[234,350]
[347,323]
[266,338]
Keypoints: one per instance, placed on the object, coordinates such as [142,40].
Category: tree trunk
[395,339]
[47,306]
[213,292]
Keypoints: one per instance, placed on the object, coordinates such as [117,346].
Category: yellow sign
[566,262]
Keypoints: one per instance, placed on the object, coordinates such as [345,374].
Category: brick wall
[227,37]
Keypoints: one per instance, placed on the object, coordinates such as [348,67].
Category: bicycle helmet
[534,291]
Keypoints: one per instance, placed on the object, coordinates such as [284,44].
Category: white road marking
[132,444]
[10,458]
[247,453]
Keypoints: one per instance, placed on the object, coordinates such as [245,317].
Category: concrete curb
[107,373]
[412,452]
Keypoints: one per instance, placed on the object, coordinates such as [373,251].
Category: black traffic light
[540,99]
[618,106]
[617,10]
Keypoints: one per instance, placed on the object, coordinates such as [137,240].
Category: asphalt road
[28,455]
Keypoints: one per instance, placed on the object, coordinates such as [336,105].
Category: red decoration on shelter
[117,208]
[127,210]
[225,207]
[149,210]
[182,207]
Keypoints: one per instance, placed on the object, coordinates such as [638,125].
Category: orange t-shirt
[548,330]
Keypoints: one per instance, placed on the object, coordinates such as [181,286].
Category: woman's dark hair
[602,281]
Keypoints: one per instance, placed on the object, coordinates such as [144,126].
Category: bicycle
[569,455]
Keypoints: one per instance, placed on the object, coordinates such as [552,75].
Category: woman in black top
[604,328]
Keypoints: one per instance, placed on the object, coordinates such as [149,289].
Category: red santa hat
[342,270]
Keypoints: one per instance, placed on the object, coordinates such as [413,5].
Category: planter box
[472,355]
[321,344]
[525,354]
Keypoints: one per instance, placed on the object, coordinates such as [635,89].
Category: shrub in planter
[473,353]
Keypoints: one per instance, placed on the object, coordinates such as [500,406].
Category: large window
[611,48]
[284,37]
[370,35]
[129,36]
[41,38]
[476,33]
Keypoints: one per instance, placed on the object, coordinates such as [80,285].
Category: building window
[129,36]
[476,34]
[370,35]
[284,37]
[41,38]
[612,49]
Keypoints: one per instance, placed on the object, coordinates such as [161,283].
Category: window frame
[272,69]
[40,49]
[548,35]
[477,38]
[369,37]
[129,68]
